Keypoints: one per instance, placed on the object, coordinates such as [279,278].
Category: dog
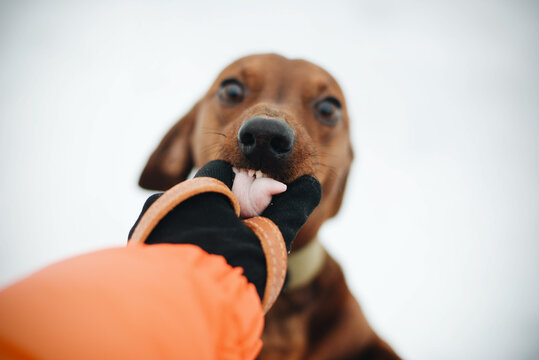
[285,118]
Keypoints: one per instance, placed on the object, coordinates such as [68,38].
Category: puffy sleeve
[140,302]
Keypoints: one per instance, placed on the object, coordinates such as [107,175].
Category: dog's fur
[321,320]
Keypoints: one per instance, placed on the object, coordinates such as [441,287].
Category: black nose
[266,139]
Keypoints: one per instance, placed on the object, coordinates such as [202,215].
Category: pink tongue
[254,194]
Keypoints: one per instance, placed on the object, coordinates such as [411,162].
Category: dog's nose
[261,138]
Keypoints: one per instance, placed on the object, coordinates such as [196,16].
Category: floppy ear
[172,161]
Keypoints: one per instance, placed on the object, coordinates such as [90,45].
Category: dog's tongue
[254,192]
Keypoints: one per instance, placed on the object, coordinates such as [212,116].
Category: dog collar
[305,264]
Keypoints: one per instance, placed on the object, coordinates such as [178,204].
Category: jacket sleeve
[140,302]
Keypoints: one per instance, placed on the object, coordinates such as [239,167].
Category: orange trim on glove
[267,232]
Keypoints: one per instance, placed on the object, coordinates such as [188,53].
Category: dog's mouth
[279,170]
[254,190]
[257,174]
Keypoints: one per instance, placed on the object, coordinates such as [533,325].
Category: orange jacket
[139,302]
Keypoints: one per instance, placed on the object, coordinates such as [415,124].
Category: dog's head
[283,117]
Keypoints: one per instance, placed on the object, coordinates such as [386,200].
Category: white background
[438,235]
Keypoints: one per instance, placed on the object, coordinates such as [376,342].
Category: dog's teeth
[251,173]
[259,174]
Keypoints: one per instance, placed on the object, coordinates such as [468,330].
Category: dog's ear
[172,161]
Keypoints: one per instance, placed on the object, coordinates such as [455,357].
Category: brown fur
[321,320]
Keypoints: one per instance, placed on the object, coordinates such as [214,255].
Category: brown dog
[286,118]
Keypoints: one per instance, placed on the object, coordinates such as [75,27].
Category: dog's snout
[261,138]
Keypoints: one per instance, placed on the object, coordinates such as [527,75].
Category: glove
[291,209]
[208,220]
[288,210]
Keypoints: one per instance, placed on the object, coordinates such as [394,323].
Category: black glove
[291,209]
[208,220]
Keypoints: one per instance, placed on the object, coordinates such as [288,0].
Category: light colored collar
[305,264]
[192,173]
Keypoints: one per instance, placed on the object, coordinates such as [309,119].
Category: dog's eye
[231,92]
[328,111]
